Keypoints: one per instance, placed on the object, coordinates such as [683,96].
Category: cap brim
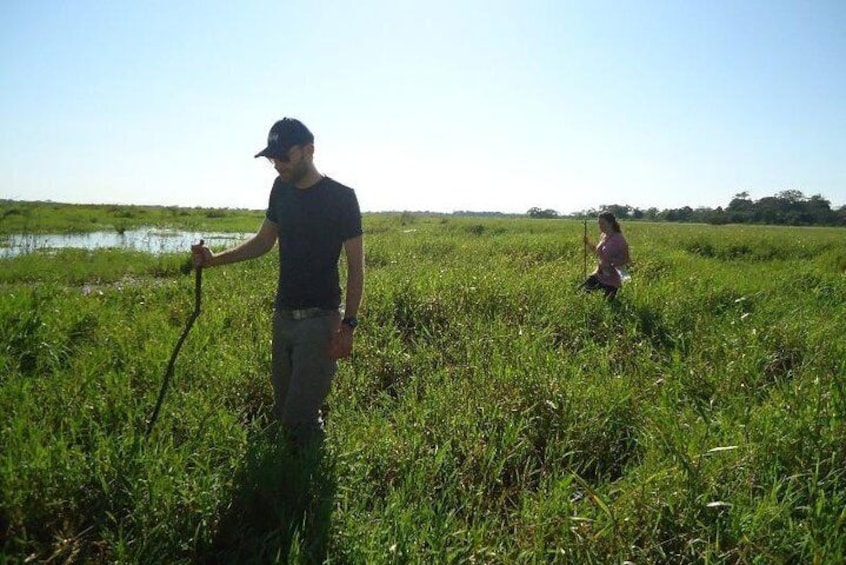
[271,152]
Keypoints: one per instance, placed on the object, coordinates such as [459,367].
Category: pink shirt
[613,251]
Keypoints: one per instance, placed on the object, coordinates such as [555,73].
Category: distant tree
[716,217]
[788,207]
[819,210]
[679,215]
[791,196]
[792,207]
[771,210]
[621,212]
[536,212]
[741,209]
[739,204]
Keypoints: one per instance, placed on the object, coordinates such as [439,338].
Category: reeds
[490,413]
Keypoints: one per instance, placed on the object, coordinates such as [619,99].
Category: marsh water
[147,240]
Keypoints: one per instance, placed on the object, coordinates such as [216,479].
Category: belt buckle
[303,313]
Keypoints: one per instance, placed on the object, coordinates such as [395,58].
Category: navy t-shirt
[312,225]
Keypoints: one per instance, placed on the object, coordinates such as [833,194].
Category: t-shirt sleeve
[271,213]
[350,224]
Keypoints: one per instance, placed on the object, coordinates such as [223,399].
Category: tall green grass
[491,412]
[54,217]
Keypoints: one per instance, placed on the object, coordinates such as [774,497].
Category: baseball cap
[285,134]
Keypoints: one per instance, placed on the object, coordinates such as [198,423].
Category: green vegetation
[490,414]
[52,217]
[787,208]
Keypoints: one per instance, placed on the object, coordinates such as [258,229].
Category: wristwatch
[352,322]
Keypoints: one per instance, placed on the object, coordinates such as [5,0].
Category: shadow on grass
[281,506]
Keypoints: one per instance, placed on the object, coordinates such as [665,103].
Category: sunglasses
[284,159]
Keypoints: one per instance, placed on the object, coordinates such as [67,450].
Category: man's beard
[298,173]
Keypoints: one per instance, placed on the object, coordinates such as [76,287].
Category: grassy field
[52,217]
[491,413]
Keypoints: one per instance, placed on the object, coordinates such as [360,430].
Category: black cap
[285,134]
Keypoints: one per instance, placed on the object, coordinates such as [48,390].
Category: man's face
[292,167]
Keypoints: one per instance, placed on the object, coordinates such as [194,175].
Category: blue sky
[436,105]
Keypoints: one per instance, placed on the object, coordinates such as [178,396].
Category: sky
[442,105]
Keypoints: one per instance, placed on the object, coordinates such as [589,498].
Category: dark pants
[302,371]
[593,283]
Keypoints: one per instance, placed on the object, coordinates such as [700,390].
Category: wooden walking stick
[198,284]
[584,253]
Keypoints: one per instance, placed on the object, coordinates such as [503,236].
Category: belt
[304,313]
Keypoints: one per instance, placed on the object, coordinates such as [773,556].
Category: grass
[18,217]
[490,413]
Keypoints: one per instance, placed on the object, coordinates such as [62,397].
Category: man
[312,217]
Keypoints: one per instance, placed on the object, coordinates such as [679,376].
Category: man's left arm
[354,250]
[343,339]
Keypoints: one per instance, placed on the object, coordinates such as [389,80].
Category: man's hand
[201,255]
[342,342]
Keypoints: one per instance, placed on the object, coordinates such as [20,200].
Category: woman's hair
[609,217]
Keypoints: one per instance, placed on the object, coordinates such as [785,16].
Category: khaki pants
[302,371]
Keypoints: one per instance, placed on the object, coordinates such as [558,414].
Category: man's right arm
[262,242]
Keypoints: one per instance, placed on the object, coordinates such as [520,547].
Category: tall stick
[198,284]
[584,252]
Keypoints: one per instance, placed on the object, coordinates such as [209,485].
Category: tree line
[788,207]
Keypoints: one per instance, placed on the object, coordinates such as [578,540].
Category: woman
[612,254]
